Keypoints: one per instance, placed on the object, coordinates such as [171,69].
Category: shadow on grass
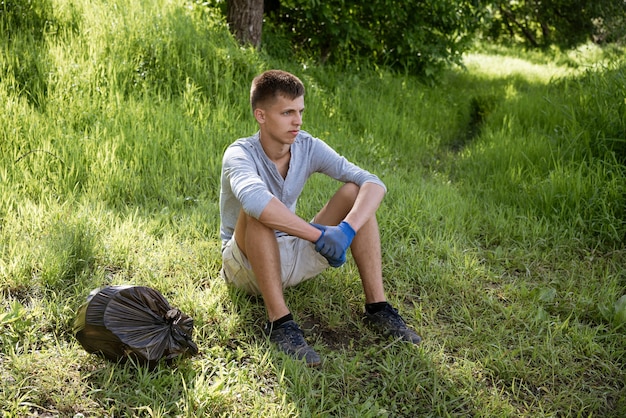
[361,374]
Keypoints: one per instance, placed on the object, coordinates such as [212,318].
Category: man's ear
[259,115]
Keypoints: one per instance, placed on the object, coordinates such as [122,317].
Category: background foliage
[416,36]
[564,23]
[422,36]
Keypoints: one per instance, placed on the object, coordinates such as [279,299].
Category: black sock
[280,321]
[372,308]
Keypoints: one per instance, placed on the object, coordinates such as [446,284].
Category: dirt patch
[344,337]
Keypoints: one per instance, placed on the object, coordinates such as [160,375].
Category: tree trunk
[528,34]
[245,19]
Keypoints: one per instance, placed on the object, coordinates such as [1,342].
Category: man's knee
[349,192]
[339,205]
[250,230]
[345,197]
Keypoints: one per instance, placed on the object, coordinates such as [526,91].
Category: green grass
[502,231]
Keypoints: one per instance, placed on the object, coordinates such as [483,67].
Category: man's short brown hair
[268,85]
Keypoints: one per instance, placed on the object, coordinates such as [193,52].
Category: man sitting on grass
[266,247]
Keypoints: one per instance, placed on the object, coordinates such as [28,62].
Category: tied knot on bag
[173,317]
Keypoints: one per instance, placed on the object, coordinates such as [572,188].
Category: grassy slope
[502,229]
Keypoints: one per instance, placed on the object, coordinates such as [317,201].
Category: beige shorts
[299,262]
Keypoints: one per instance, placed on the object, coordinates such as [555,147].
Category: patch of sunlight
[503,66]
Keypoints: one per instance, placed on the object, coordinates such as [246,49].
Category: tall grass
[502,231]
[562,151]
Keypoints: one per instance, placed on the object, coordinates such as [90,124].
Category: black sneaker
[389,323]
[290,339]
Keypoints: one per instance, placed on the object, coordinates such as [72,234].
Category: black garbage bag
[120,322]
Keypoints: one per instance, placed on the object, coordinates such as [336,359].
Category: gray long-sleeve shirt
[250,179]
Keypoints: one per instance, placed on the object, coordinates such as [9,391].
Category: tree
[245,19]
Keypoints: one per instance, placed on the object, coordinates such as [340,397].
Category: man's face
[281,119]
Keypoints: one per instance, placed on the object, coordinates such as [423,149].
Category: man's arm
[276,215]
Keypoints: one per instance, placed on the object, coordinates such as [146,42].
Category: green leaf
[547,294]
[16,312]
[619,318]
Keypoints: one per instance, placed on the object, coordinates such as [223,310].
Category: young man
[266,247]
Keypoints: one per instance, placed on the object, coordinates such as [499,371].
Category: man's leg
[365,247]
[366,251]
[258,243]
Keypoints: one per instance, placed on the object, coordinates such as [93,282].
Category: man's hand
[334,242]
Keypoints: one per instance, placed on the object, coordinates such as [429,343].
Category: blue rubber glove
[334,242]
[332,262]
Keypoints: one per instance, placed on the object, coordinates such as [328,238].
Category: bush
[417,37]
